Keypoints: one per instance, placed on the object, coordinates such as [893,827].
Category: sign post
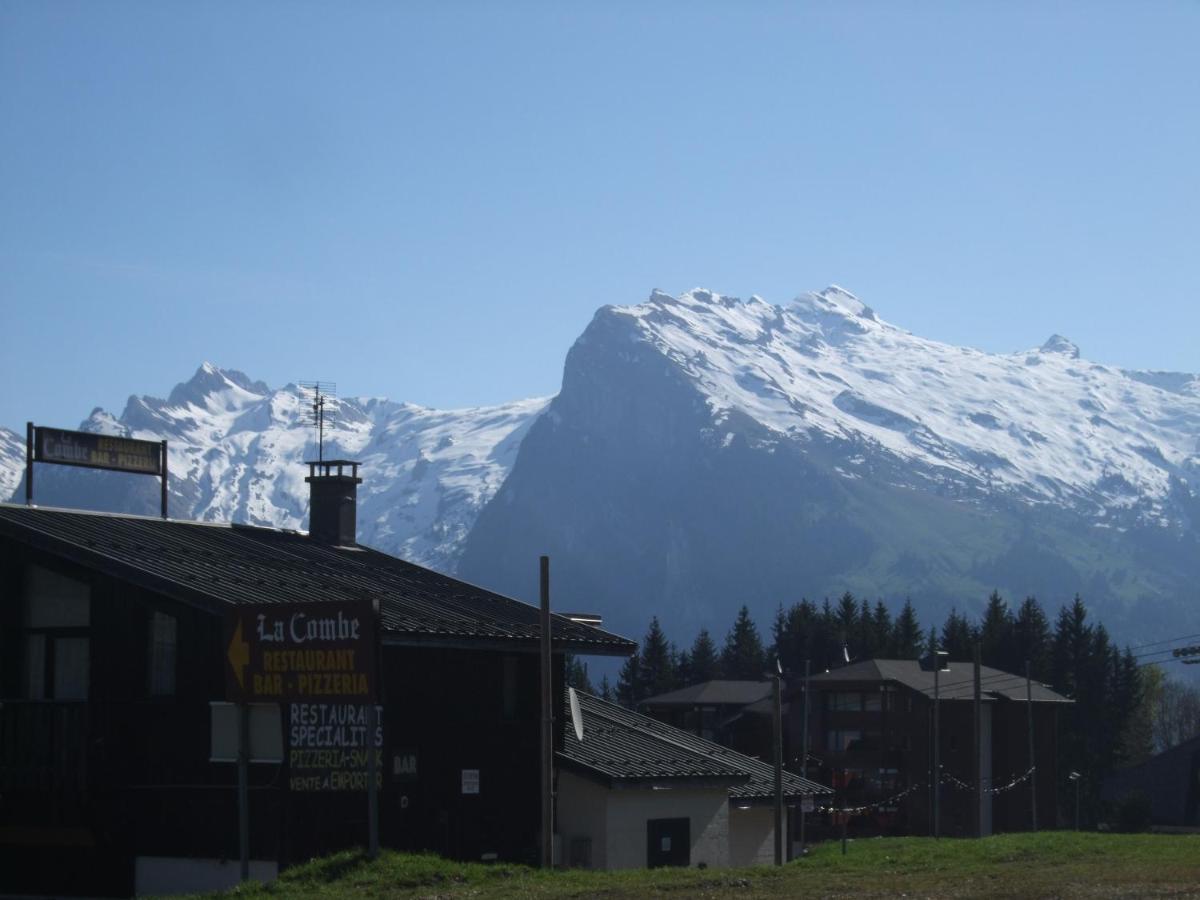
[93,451]
[320,661]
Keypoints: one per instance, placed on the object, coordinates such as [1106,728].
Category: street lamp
[1076,777]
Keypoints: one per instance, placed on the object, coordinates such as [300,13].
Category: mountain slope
[236,448]
[706,452]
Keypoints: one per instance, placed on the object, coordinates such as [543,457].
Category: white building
[637,793]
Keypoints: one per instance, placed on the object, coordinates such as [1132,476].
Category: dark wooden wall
[87,786]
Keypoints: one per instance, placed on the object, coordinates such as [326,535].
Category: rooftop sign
[93,451]
[96,451]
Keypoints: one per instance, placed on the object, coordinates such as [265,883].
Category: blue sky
[428,202]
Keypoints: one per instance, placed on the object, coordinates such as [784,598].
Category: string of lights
[962,785]
[859,810]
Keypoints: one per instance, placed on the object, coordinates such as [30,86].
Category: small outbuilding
[636,792]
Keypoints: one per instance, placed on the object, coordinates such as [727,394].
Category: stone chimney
[333,501]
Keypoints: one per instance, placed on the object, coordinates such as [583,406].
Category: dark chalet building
[112,648]
[737,714]
[871,739]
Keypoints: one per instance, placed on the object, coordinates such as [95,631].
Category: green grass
[1049,864]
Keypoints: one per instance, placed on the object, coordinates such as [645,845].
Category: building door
[668,842]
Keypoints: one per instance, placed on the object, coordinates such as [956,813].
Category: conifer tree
[629,682]
[743,656]
[800,638]
[846,617]
[1072,643]
[683,667]
[881,632]
[862,644]
[906,634]
[1031,640]
[996,635]
[605,691]
[577,674]
[958,637]
[657,670]
[704,664]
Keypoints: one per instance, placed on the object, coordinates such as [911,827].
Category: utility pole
[804,752]
[978,757]
[1032,760]
[547,722]
[777,743]
[937,747]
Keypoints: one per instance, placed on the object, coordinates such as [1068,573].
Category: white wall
[582,813]
[164,875]
[630,809]
[752,836]
[615,820]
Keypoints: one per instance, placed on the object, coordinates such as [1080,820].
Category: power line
[1186,637]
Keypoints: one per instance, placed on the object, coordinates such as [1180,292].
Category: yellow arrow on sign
[239,655]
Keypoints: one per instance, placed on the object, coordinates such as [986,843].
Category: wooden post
[1032,759]
[978,756]
[164,479]
[29,464]
[777,744]
[547,722]
[372,787]
[243,788]
[937,753]
[373,725]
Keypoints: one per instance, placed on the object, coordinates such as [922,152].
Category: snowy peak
[1056,343]
[227,387]
[835,301]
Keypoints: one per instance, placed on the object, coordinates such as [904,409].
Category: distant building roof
[212,565]
[956,684]
[622,746]
[713,693]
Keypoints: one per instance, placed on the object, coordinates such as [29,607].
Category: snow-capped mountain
[743,451]
[706,452]
[12,461]
[236,448]
[1044,426]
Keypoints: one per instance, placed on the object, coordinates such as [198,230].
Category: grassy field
[1050,864]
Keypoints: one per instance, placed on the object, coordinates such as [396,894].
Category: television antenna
[320,398]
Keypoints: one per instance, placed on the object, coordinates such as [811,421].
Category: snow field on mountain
[1042,425]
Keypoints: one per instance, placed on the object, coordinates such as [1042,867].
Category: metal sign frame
[95,451]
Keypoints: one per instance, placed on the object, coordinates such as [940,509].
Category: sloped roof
[623,746]
[958,683]
[213,565]
[718,692]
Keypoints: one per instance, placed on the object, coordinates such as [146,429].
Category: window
[57,613]
[872,702]
[845,702]
[839,740]
[161,671]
